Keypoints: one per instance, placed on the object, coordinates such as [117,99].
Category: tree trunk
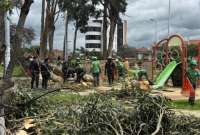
[75,37]
[24,12]
[16,46]
[6,62]
[7,43]
[42,18]
[105,27]
[2,39]
[45,33]
[43,45]
[113,22]
[51,39]
[65,44]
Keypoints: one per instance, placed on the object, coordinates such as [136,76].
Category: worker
[46,74]
[59,61]
[110,70]
[126,65]
[79,70]
[193,74]
[120,68]
[35,71]
[95,70]
[64,70]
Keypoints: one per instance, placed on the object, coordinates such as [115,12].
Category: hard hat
[109,57]
[194,62]
[94,58]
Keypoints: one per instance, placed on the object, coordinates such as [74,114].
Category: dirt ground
[175,93]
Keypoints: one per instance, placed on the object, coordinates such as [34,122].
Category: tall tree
[16,46]
[42,19]
[105,27]
[49,28]
[79,11]
[111,13]
[115,7]
[2,39]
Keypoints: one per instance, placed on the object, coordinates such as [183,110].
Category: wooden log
[57,71]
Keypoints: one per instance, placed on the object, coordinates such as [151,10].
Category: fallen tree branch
[159,123]
[36,98]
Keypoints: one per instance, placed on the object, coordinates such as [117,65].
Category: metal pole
[169,17]
[156,30]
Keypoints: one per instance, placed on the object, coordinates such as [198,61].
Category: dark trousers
[80,76]
[96,79]
[34,79]
[45,79]
[191,99]
[110,78]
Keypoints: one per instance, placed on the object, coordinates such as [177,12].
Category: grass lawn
[18,71]
[183,104]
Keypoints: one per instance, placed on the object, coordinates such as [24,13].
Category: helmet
[193,62]
[109,58]
[94,58]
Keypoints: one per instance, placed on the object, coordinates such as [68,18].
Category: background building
[94,36]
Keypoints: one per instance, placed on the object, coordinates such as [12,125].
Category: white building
[94,36]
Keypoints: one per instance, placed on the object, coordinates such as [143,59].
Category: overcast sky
[185,20]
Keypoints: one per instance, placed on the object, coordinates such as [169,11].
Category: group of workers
[70,70]
[36,67]
[111,68]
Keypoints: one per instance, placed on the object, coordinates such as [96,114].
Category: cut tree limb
[159,123]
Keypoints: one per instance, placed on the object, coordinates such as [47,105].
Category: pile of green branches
[150,115]
[105,114]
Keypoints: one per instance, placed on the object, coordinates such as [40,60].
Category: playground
[170,62]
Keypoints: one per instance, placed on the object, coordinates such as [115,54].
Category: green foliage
[18,71]
[62,113]
[5,4]
[79,11]
[192,50]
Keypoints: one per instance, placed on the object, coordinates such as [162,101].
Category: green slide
[164,75]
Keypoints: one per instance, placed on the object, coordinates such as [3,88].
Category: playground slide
[164,75]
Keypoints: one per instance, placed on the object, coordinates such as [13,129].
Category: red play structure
[173,49]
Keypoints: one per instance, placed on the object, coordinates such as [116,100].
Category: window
[93,45]
[97,21]
[93,37]
[98,29]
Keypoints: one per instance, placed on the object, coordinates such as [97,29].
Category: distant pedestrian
[95,70]
[110,70]
[45,71]
[35,72]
